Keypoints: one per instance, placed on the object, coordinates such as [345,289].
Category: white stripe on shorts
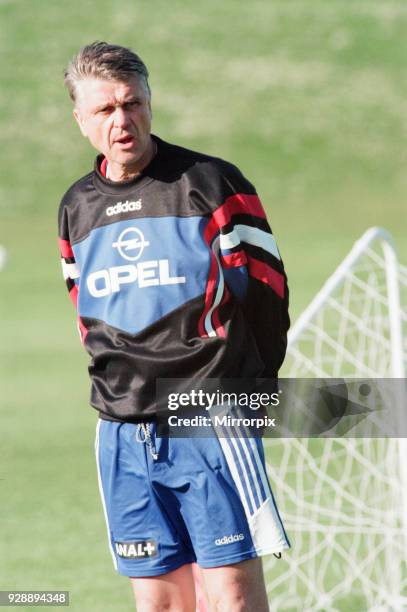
[244,471]
[246,447]
[264,523]
[102,493]
[235,474]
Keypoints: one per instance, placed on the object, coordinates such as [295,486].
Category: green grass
[306,97]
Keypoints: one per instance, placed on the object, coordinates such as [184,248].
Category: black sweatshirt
[175,274]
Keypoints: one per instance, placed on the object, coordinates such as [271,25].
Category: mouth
[125,141]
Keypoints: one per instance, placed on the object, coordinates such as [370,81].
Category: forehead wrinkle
[117,101]
[115,97]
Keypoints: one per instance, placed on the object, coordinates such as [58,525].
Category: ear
[80,121]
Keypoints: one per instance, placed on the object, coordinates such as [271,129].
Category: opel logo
[131,244]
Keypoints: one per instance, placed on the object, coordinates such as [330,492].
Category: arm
[254,271]
[70,270]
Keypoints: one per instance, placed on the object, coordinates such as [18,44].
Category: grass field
[307,97]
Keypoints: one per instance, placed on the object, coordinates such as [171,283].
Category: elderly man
[174,271]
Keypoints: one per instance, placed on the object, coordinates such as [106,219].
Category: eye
[132,104]
[105,110]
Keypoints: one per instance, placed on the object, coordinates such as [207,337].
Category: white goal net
[344,500]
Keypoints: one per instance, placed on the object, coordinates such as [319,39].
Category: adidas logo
[237,537]
[122,207]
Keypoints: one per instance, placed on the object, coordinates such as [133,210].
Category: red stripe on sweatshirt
[220,330]
[210,231]
[209,294]
[234,260]
[238,204]
[65,248]
[103,167]
[264,273]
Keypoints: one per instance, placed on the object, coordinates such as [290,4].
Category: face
[116,118]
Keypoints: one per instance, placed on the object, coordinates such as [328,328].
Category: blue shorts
[200,499]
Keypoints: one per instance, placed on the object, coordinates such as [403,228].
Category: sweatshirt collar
[114,187]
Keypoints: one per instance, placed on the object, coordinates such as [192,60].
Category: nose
[120,117]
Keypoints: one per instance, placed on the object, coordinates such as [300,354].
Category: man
[175,274]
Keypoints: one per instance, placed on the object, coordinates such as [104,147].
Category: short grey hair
[100,60]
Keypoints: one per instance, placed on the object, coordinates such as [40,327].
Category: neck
[120,172]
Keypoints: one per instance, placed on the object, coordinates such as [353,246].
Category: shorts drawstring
[143,435]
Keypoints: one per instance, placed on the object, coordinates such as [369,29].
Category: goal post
[344,500]
[3,256]
[387,265]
